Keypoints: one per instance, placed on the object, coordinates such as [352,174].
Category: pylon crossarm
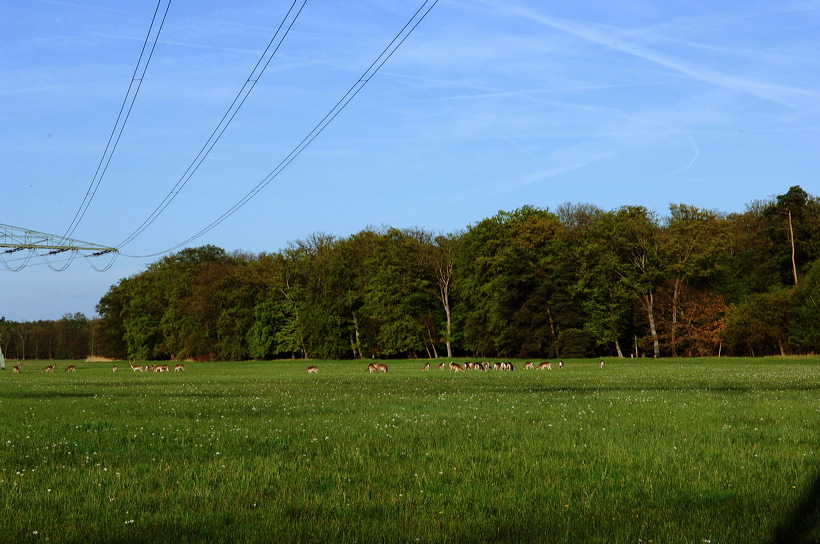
[17,239]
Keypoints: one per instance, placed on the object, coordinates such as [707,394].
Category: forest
[577,281]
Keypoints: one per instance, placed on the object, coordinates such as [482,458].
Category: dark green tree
[793,230]
[760,325]
[694,241]
[805,330]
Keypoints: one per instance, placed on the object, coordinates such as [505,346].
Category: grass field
[696,451]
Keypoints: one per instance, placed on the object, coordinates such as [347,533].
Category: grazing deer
[179,367]
[442,366]
[49,368]
[71,368]
[455,367]
[160,368]
[381,367]
[313,369]
[528,365]
[544,366]
[426,366]
[17,368]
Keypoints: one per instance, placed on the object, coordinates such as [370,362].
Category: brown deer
[313,369]
[136,368]
[455,367]
[179,367]
[372,367]
[17,368]
[49,368]
[381,367]
[71,368]
[426,366]
[544,366]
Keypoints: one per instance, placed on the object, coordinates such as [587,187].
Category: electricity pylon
[14,239]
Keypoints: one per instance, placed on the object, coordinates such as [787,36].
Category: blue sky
[487,106]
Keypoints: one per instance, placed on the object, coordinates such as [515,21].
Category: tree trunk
[447,341]
[432,341]
[674,331]
[552,332]
[618,349]
[791,239]
[444,275]
[649,306]
[358,344]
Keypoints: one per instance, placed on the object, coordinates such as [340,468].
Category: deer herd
[155,368]
[372,368]
[17,368]
[486,366]
[375,368]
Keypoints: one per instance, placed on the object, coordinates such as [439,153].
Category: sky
[487,105]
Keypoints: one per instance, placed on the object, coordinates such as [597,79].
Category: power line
[239,100]
[125,112]
[371,71]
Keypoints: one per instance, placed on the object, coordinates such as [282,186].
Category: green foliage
[510,268]
[794,214]
[760,325]
[804,329]
[575,344]
[273,333]
[529,283]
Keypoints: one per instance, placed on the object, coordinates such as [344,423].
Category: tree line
[576,281]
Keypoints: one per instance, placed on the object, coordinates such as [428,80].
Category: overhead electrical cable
[239,100]
[23,262]
[157,22]
[385,55]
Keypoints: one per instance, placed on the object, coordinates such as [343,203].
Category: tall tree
[399,296]
[442,261]
[760,325]
[693,241]
[793,229]
[505,287]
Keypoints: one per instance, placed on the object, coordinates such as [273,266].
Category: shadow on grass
[803,526]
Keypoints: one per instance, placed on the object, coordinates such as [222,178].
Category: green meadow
[677,450]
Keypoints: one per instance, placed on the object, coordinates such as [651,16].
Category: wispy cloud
[791,96]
